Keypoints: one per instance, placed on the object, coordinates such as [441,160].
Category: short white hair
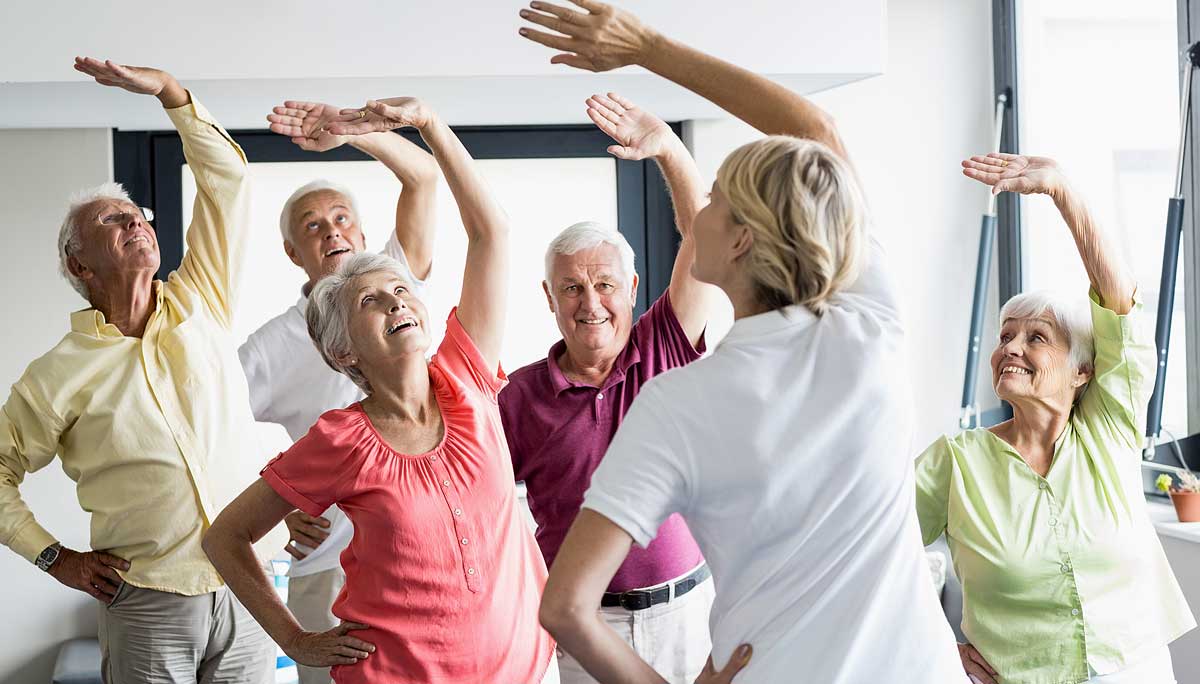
[68,233]
[585,235]
[328,312]
[285,216]
[1072,313]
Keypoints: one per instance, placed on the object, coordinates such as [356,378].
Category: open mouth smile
[337,250]
[405,323]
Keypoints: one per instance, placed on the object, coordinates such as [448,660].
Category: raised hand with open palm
[1016,173]
[639,134]
[306,123]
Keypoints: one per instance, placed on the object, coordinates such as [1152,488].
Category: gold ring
[1003,162]
[362,113]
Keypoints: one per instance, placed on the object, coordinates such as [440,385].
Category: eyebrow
[313,211]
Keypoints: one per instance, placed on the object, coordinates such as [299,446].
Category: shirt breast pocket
[188,352]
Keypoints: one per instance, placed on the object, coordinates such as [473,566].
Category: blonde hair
[807,217]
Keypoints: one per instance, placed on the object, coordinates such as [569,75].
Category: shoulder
[339,430]
[528,377]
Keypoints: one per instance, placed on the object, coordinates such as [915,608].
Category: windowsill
[1167,523]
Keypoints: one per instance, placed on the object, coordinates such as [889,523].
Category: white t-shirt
[788,453]
[290,384]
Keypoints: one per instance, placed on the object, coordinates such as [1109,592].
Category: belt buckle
[636,599]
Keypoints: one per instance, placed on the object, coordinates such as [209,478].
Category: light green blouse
[1063,571]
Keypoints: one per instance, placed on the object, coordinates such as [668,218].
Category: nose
[591,298]
[331,230]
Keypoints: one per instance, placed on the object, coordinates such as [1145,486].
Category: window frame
[150,166]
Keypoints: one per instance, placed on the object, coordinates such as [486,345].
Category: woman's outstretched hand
[307,124]
[382,115]
[1016,173]
[639,134]
[334,647]
[599,38]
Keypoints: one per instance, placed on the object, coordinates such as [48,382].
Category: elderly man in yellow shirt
[145,402]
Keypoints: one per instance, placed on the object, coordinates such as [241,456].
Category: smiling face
[386,321]
[324,232]
[1032,362]
[114,238]
[592,299]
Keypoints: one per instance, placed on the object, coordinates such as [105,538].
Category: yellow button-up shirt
[1065,571]
[155,431]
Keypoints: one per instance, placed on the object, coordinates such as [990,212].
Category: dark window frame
[150,163]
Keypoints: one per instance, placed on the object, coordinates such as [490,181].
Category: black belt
[641,599]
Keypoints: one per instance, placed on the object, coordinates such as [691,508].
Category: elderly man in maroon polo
[560,413]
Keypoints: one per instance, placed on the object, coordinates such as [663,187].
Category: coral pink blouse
[441,566]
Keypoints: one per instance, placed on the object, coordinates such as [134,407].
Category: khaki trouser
[155,637]
[671,637]
[310,598]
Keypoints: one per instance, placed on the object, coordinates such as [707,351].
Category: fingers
[314,520]
[302,537]
[287,129]
[350,627]
[590,5]
[982,177]
[295,552]
[984,164]
[297,114]
[606,108]
[574,60]
[112,561]
[362,128]
[355,653]
[565,13]
[627,153]
[549,40]
[303,106]
[977,657]
[621,101]
[978,673]
[551,22]
[107,574]
[603,123]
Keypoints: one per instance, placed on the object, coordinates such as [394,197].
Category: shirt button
[470,571]
[1074,611]
[1066,568]
[600,395]
[433,458]
[445,483]
[1053,522]
[1043,486]
[458,511]
[464,541]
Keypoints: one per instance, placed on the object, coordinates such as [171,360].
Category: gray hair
[68,233]
[328,314]
[285,216]
[585,235]
[1072,314]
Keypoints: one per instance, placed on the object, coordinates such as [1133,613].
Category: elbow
[214,541]
[825,130]
[562,614]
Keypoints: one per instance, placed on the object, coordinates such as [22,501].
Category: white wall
[38,171]
[907,131]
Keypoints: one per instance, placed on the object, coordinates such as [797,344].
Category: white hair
[328,313]
[68,233]
[285,216]
[1072,313]
[585,235]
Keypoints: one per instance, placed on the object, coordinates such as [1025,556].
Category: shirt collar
[795,316]
[560,382]
[92,321]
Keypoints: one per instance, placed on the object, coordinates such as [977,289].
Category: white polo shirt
[290,384]
[788,453]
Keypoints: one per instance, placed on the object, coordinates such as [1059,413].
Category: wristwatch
[48,555]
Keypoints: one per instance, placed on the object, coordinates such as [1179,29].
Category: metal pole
[983,271]
[1170,264]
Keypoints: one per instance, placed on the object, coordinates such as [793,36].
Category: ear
[291,252]
[346,360]
[77,269]
[633,290]
[549,299]
[743,240]
[1083,375]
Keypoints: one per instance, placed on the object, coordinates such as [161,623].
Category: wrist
[652,46]
[50,558]
[172,95]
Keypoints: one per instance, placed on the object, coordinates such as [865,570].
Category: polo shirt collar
[92,321]
[560,382]
[796,316]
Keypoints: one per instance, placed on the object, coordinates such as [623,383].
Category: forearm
[757,100]
[601,651]
[482,217]
[1105,268]
[173,95]
[234,558]
[684,183]
[412,165]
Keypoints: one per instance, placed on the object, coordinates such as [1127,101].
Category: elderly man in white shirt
[289,382]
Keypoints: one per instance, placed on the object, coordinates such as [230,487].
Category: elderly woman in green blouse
[1064,579]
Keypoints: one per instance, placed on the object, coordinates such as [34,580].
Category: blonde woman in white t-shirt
[787,451]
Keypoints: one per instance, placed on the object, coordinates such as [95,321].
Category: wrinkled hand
[94,572]
[335,647]
[304,529]
[306,123]
[600,38]
[740,658]
[141,80]
[382,115]
[1015,173]
[975,666]
[639,133]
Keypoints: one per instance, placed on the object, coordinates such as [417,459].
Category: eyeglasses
[120,217]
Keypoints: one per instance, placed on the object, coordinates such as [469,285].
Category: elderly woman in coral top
[443,578]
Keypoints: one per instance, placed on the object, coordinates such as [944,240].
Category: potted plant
[1185,496]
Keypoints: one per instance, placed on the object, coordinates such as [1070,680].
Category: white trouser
[1155,669]
[671,637]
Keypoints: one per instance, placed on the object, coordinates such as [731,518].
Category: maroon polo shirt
[558,431]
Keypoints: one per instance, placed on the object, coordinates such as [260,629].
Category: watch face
[48,556]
